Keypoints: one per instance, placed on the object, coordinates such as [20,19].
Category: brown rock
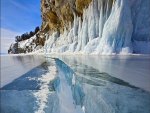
[81,4]
[57,14]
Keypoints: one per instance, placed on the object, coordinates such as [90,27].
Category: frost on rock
[106,27]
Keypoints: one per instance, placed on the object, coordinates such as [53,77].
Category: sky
[17,17]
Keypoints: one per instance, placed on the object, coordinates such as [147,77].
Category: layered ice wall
[117,31]
[141,25]
[106,27]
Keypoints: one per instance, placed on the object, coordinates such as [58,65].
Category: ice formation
[107,27]
[43,93]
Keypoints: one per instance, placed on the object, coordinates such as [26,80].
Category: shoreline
[72,54]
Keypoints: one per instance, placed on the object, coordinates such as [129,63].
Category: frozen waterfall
[106,27]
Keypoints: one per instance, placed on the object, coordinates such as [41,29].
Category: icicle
[79,28]
[85,34]
[101,21]
[75,26]
[107,9]
[96,17]
[79,35]
[91,22]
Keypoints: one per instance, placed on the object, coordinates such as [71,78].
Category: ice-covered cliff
[104,27]
[33,44]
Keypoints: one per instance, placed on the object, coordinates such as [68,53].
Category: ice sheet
[13,66]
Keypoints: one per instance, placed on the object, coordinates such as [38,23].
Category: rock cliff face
[58,15]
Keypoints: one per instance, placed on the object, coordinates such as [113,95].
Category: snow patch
[42,94]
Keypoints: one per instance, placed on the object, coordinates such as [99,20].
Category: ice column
[117,31]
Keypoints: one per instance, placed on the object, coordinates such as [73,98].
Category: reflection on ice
[28,81]
[13,66]
[54,87]
[104,93]
[94,75]
[132,69]
[69,92]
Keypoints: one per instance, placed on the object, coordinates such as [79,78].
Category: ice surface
[43,93]
[14,66]
[119,27]
[54,87]
[68,102]
[132,69]
[31,92]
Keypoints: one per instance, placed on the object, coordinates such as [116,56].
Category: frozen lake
[71,84]
[13,66]
[132,69]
